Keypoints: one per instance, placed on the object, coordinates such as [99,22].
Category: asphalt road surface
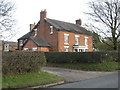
[71,76]
[107,81]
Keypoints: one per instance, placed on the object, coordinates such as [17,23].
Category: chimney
[79,21]
[43,14]
[32,26]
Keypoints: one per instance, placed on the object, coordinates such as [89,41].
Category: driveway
[75,75]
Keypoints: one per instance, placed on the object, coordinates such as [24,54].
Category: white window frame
[25,49]
[21,43]
[77,36]
[51,29]
[67,39]
[86,50]
[66,47]
[35,32]
[6,47]
[86,41]
[34,49]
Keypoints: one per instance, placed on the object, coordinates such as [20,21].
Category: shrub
[22,62]
[77,57]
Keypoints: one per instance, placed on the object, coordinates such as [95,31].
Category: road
[107,81]
[71,76]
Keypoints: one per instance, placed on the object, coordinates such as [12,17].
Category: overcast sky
[28,12]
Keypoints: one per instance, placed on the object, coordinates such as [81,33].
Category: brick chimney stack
[79,21]
[43,14]
[42,28]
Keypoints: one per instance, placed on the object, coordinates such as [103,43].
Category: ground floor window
[86,50]
[6,47]
[80,50]
[66,48]
[76,50]
[34,49]
[25,49]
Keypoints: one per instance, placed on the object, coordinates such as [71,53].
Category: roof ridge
[61,21]
[66,26]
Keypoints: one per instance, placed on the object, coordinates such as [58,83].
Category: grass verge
[104,66]
[29,79]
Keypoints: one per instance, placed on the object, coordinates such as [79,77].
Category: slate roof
[26,36]
[11,43]
[69,27]
[60,26]
[39,41]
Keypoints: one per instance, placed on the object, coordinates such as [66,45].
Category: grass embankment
[104,66]
[29,79]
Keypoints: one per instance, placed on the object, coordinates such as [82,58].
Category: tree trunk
[115,45]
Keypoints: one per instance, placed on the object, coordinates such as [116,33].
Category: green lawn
[29,79]
[104,66]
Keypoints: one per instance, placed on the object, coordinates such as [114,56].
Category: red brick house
[54,35]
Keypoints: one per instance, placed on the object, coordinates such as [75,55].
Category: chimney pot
[79,21]
[43,14]
[32,26]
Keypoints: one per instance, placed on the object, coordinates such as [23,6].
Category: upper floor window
[76,39]
[21,43]
[51,29]
[86,41]
[66,38]
[35,34]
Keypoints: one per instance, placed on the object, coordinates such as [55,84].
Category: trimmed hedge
[83,57]
[22,62]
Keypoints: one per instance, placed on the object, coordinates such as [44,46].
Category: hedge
[83,57]
[22,62]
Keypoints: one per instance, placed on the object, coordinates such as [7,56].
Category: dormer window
[51,29]
[35,34]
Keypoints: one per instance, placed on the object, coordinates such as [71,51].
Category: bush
[22,62]
[83,57]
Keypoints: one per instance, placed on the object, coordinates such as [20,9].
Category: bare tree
[105,13]
[6,20]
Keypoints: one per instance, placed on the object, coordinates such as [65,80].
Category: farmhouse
[58,36]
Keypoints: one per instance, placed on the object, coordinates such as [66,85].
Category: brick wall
[13,48]
[43,31]
[72,41]
[30,44]
[44,49]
